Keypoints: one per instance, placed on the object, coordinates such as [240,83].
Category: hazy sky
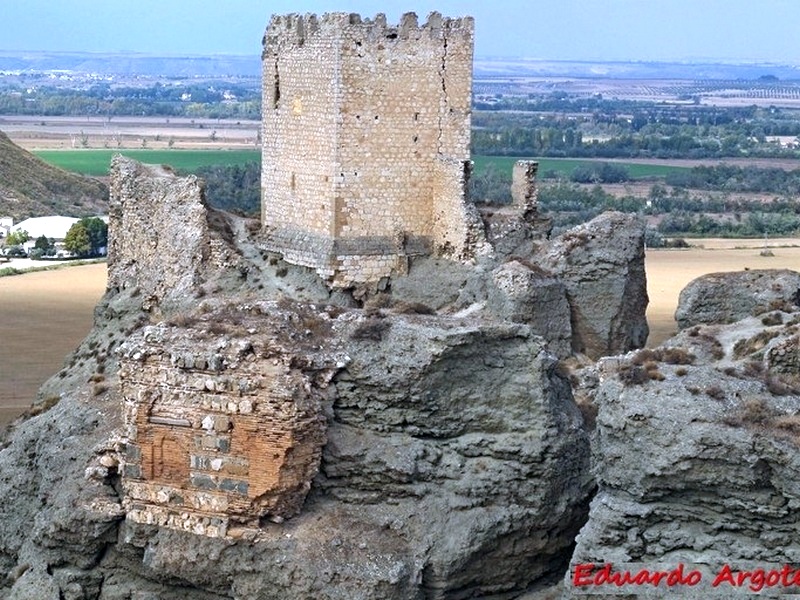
[743,30]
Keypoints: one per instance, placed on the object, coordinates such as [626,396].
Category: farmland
[96,162]
[565,166]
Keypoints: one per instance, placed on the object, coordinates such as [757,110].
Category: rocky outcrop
[601,264]
[455,465]
[235,429]
[696,452]
[729,297]
[404,447]
[526,294]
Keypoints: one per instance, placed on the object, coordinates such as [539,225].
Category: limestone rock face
[400,441]
[601,264]
[696,451]
[529,295]
[456,463]
[729,297]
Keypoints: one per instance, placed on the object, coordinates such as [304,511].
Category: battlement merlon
[294,29]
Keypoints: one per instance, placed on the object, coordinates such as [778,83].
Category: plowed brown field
[44,316]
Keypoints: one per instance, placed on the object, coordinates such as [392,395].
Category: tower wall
[361,121]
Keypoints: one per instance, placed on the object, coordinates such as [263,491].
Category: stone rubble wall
[158,231]
[458,231]
[220,430]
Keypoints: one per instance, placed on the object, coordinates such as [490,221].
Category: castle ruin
[366,134]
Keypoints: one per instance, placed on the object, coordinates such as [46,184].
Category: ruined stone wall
[362,122]
[524,194]
[158,231]
[221,429]
[458,231]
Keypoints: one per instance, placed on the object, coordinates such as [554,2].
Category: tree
[42,243]
[77,240]
[98,233]
[17,238]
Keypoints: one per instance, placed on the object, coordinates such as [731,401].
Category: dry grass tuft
[772,319]
[788,423]
[751,412]
[753,344]
[378,301]
[44,405]
[413,308]
[371,329]
[100,388]
[588,410]
[753,368]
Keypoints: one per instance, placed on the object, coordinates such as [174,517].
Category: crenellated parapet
[296,29]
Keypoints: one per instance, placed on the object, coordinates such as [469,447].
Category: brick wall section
[158,231]
[221,430]
[363,122]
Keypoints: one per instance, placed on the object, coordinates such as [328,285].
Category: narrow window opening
[276,93]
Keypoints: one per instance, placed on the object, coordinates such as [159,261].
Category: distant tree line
[623,129]
[571,204]
[207,101]
[235,188]
[732,178]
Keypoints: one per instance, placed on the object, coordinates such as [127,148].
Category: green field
[96,162]
[565,166]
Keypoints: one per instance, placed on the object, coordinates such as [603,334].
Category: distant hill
[29,187]
[132,64]
[703,70]
[224,66]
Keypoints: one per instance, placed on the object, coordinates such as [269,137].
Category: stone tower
[366,133]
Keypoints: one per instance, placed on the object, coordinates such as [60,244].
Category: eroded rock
[696,451]
[601,264]
[729,297]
